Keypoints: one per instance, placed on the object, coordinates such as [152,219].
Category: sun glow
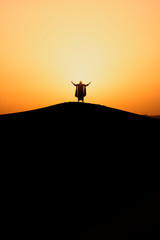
[114,45]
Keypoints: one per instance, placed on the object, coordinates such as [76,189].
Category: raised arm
[74,83]
[87,84]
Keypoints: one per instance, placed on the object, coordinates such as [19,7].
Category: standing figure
[80,90]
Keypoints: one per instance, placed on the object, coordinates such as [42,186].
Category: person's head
[80,82]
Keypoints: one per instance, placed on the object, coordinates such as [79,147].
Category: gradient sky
[46,44]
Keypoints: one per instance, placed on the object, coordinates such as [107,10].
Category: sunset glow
[46,44]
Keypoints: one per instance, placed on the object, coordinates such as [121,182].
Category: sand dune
[75,167]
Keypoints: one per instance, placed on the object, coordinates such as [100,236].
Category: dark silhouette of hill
[156,116]
[75,168]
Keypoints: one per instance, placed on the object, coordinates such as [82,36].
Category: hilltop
[83,124]
[79,115]
[79,166]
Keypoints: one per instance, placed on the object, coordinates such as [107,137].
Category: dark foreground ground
[80,171]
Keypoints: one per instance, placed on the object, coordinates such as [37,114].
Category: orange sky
[46,44]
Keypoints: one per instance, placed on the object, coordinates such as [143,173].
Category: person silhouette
[80,90]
